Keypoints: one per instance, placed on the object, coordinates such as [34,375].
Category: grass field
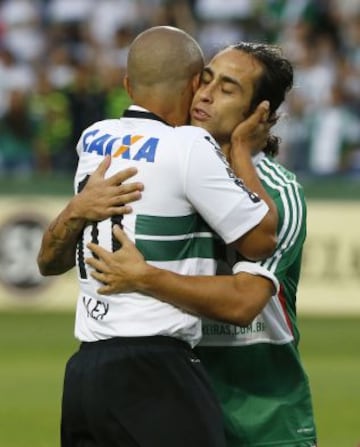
[35,346]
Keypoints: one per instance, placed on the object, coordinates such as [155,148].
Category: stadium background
[61,64]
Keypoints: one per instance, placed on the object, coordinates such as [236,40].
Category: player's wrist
[76,211]
[147,278]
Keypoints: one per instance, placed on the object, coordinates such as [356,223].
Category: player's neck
[225,147]
[174,113]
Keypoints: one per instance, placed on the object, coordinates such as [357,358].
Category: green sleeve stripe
[170,226]
[291,222]
[176,250]
[291,231]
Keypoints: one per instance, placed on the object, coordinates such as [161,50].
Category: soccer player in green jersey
[255,367]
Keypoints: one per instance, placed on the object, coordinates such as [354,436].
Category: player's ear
[196,82]
[127,85]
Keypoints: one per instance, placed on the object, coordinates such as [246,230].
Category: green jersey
[256,370]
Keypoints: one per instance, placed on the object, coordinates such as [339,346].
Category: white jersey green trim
[162,238]
[165,224]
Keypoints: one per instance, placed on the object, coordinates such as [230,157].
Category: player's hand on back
[105,197]
[118,271]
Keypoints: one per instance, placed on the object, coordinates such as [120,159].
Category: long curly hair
[276,80]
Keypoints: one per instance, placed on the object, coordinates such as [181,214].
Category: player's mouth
[199,114]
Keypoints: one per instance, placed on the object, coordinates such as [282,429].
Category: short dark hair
[276,80]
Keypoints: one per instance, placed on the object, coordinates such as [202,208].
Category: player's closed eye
[227,91]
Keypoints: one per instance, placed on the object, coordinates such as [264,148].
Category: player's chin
[198,123]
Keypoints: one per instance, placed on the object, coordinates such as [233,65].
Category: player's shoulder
[100,127]
[192,131]
[194,134]
[104,124]
[273,172]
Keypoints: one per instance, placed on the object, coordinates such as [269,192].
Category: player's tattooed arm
[99,199]
[58,247]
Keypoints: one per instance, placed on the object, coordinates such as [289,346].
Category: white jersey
[189,187]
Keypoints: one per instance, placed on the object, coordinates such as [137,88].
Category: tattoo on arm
[57,253]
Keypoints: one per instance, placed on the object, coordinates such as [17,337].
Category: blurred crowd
[62,64]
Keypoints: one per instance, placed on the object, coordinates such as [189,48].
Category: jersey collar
[139,112]
[258,157]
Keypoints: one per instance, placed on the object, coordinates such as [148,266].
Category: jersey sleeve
[291,232]
[256,269]
[221,198]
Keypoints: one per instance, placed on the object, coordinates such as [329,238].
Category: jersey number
[80,252]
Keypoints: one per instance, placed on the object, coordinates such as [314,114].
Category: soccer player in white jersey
[135,380]
[255,367]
